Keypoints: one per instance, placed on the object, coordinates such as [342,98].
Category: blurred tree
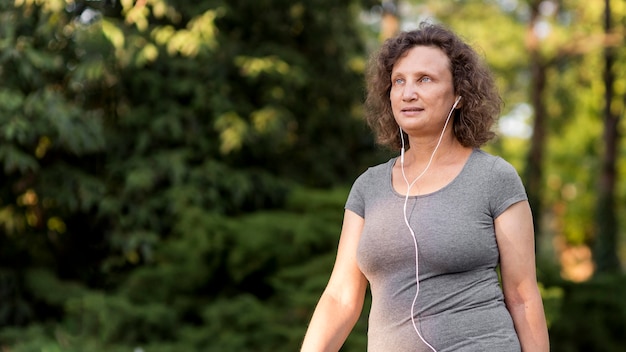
[138,139]
[534,171]
[552,52]
[606,240]
[50,152]
[284,102]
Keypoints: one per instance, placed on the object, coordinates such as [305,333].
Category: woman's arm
[342,301]
[516,242]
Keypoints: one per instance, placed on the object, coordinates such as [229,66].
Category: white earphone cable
[406,219]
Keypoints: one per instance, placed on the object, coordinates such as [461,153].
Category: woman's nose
[409,93]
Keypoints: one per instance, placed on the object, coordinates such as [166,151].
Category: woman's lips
[411,111]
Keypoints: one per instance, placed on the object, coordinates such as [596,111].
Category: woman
[427,229]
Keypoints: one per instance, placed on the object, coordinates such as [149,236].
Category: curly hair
[481,102]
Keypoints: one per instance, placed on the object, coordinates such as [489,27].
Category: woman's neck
[422,151]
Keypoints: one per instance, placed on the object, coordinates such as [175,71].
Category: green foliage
[592,317]
[283,101]
[139,148]
[49,141]
[218,283]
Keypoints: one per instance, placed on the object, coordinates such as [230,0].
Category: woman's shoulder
[375,174]
[378,170]
[494,163]
[367,185]
[496,174]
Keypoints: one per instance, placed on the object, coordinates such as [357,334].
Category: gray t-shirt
[460,305]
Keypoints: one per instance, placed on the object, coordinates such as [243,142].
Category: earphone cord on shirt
[406,221]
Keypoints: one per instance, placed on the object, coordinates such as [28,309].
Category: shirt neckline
[392,162]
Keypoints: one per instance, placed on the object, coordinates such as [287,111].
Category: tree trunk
[533,173]
[605,246]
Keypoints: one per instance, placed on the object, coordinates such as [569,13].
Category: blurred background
[173,173]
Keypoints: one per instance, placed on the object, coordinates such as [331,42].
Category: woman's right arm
[341,302]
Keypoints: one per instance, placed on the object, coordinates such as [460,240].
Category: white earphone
[406,219]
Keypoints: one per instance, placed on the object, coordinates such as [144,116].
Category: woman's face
[422,92]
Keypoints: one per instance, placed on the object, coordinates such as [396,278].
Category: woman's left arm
[516,243]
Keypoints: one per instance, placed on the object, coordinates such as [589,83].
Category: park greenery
[173,173]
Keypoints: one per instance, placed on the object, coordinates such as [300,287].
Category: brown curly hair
[481,102]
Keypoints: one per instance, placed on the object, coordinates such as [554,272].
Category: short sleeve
[356,199]
[506,187]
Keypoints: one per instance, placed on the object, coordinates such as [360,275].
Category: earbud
[458,99]
[402,149]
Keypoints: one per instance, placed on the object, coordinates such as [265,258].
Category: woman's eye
[425,79]
[398,81]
